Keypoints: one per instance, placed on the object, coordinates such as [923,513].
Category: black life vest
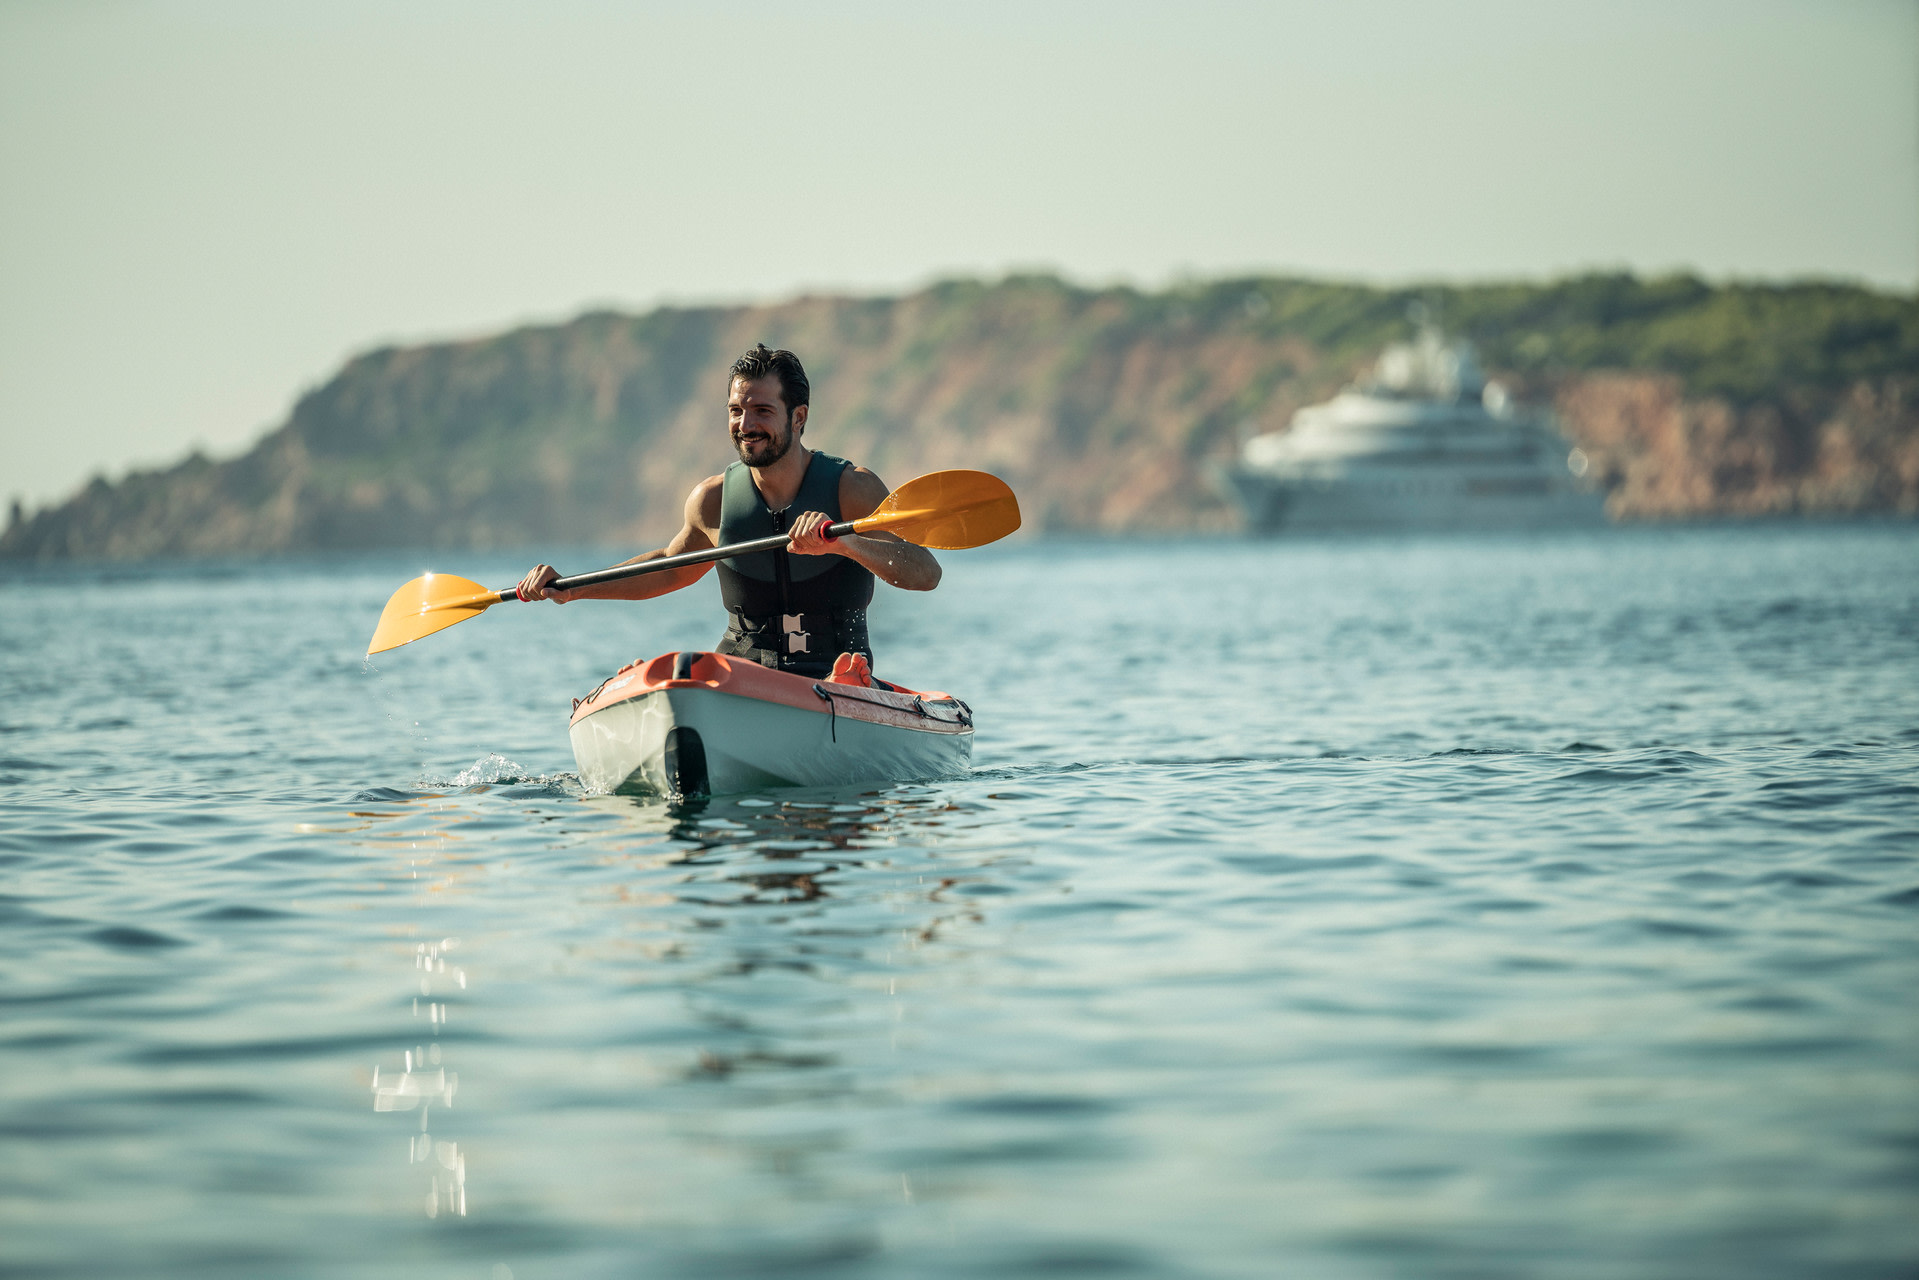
[792,613]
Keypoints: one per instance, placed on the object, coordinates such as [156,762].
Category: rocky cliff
[1102,407]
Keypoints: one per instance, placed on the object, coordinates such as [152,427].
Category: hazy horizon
[210,206]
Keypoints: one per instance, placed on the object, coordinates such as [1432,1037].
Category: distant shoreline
[1102,406]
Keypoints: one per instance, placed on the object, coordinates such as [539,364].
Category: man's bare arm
[892,560]
[697,533]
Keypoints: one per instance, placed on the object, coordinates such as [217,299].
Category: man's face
[758,420]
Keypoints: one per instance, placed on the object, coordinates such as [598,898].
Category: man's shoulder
[860,491]
[704,502]
[853,472]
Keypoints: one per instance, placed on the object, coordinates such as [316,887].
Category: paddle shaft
[619,571]
[944,511]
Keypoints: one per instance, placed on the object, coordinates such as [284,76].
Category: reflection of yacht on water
[1424,443]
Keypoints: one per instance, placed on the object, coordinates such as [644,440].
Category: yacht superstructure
[1424,443]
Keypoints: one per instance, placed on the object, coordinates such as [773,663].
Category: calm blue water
[1456,908]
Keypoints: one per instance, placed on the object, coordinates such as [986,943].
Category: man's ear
[799,419]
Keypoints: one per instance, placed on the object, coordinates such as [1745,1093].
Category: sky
[206,207]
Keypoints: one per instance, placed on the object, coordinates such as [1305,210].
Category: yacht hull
[1409,504]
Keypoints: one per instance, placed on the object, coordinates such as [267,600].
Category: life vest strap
[789,641]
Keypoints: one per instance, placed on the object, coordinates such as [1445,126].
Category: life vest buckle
[796,638]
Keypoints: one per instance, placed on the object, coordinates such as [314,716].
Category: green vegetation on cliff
[1102,407]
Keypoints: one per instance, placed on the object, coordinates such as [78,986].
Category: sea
[1459,907]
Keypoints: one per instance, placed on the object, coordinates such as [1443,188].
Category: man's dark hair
[784,365]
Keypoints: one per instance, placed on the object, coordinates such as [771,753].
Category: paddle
[947,511]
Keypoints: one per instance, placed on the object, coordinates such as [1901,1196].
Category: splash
[495,770]
[492,769]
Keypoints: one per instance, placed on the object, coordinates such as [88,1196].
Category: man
[795,609]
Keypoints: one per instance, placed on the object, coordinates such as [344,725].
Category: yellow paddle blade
[947,511]
[426,605]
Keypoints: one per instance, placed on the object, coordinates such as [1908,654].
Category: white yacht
[1424,443]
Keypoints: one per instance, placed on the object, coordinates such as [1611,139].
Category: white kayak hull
[729,726]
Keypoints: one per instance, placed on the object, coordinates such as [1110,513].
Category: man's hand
[809,536]
[900,563]
[533,585]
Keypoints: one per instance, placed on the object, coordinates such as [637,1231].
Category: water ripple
[1500,908]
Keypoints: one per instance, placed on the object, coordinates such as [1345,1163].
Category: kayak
[693,723]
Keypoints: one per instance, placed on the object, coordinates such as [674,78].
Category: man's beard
[777,447]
